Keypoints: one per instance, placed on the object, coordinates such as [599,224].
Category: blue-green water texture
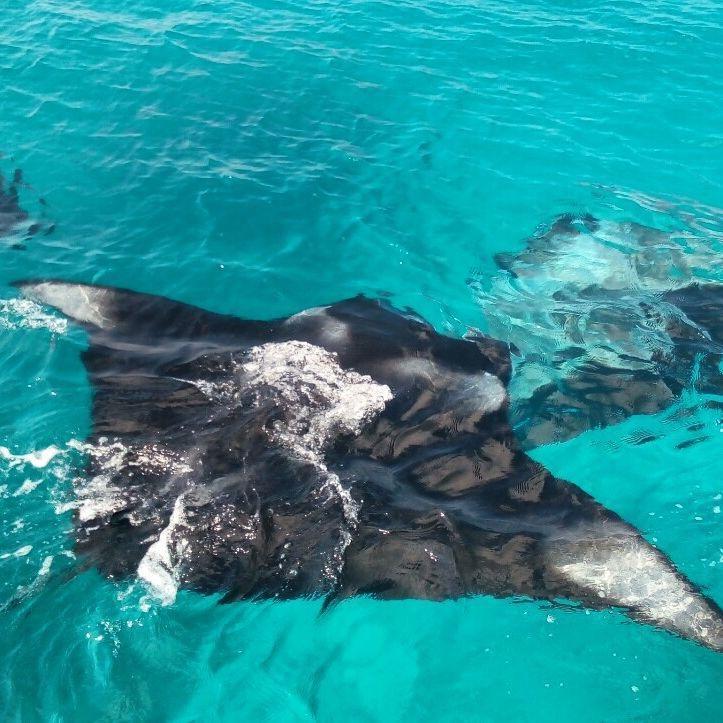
[259,158]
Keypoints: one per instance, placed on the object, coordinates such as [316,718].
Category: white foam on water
[45,567]
[98,496]
[320,401]
[20,552]
[26,487]
[214,390]
[27,314]
[38,459]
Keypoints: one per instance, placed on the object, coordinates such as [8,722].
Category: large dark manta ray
[345,450]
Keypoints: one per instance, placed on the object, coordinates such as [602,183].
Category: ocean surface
[261,158]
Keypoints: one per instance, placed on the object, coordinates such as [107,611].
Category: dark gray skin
[10,212]
[447,502]
[15,222]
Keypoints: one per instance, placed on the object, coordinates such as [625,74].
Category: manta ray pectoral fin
[606,562]
[698,335]
[526,534]
[108,312]
[702,304]
[148,357]
[158,370]
[84,304]
[592,395]
[701,329]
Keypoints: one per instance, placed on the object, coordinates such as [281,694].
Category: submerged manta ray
[607,320]
[345,450]
[15,222]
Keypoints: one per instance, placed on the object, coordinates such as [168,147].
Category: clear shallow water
[258,159]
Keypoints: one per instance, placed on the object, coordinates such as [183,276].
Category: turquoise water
[262,158]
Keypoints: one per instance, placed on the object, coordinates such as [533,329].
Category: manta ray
[345,450]
[15,222]
[607,320]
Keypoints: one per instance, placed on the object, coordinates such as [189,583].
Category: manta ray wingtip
[83,303]
[30,286]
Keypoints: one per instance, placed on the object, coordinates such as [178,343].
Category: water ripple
[261,157]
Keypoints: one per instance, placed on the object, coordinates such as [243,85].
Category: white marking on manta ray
[75,301]
[333,331]
[480,392]
[26,314]
[624,571]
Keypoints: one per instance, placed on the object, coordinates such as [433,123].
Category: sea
[259,158]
